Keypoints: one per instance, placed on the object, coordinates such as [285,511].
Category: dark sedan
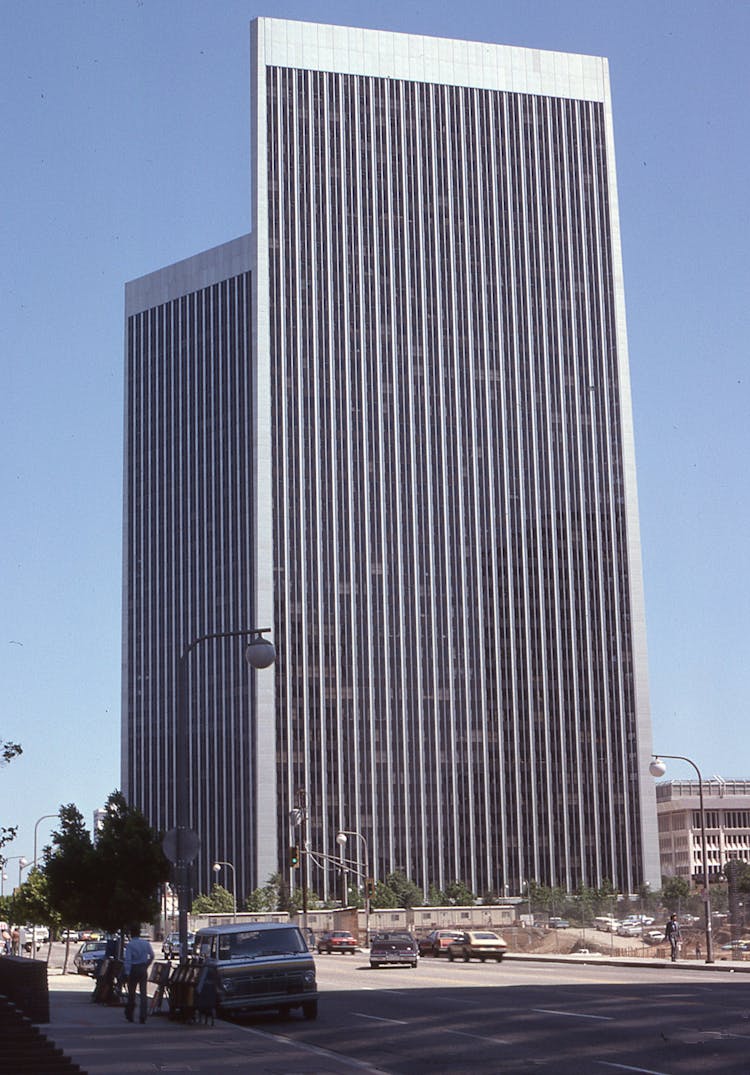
[388,948]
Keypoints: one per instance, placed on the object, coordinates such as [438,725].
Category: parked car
[170,947]
[630,929]
[337,940]
[742,945]
[558,923]
[89,956]
[654,936]
[479,944]
[254,967]
[387,948]
[436,943]
[69,935]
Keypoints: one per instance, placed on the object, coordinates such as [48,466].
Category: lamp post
[217,869]
[44,817]
[259,653]
[341,840]
[657,768]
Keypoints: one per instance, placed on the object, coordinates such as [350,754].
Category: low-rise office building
[726,805]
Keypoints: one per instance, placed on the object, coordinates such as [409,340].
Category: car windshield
[254,943]
[486,936]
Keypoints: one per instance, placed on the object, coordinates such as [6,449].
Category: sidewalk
[102,1042]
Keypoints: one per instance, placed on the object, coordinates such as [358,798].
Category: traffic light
[294,856]
[370,887]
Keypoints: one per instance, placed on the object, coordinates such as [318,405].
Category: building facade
[726,805]
[440,520]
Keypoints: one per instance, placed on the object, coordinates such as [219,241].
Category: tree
[456,892]
[30,903]
[406,893]
[673,891]
[435,898]
[8,751]
[218,901]
[69,872]
[383,896]
[130,867]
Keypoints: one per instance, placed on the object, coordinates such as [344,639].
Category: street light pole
[44,817]
[259,653]
[341,841]
[657,768]
[216,868]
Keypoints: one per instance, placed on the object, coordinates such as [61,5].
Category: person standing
[139,955]
[672,934]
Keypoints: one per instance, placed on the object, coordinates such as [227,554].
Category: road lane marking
[573,1015]
[379,1019]
[316,1050]
[626,1067]
[477,1037]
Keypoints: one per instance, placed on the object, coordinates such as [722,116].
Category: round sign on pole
[180,845]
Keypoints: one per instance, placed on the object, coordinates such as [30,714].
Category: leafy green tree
[30,903]
[130,866]
[674,891]
[406,892]
[456,892]
[69,869]
[384,896]
[435,897]
[8,751]
[218,901]
[490,898]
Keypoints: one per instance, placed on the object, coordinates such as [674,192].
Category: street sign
[181,845]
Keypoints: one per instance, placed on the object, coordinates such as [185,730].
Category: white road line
[573,1015]
[378,1019]
[477,1037]
[626,1067]
[339,1058]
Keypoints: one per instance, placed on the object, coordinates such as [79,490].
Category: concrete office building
[414,459]
[726,805]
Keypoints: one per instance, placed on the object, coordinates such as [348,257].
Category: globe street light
[657,768]
[183,843]
[341,840]
[217,870]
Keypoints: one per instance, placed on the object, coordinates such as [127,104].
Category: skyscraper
[440,515]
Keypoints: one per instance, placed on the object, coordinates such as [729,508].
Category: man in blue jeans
[139,955]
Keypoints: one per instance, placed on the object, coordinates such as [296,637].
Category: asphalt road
[519,1017]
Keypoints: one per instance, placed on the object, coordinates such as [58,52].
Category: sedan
[89,956]
[337,940]
[388,948]
[478,944]
[170,947]
[436,943]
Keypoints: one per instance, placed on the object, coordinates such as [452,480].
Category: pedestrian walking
[139,955]
[673,935]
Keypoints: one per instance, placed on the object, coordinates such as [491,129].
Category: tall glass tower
[442,523]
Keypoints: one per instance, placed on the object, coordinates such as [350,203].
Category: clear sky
[125,147]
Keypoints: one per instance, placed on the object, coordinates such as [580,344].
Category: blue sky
[125,130]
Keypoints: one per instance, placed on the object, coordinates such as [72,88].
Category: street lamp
[260,652]
[657,768]
[217,869]
[341,840]
[44,817]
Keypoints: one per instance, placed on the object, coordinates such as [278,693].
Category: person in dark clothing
[672,934]
[139,955]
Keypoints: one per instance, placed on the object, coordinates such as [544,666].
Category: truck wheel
[310,1009]
[451,957]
